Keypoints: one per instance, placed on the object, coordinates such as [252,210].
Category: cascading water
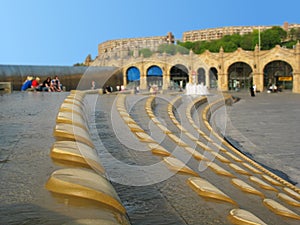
[196,89]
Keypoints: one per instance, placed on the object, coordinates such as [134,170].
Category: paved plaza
[265,126]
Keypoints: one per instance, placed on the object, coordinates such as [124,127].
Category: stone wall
[221,61]
[133,44]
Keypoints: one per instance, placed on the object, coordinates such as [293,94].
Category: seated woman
[272,88]
[35,84]
[46,84]
[27,84]
[53,86]
[56,85]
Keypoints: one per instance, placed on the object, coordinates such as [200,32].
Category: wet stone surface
[26,126]
[267,128]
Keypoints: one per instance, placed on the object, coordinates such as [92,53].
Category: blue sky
[64,32]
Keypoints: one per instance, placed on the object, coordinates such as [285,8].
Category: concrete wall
[69,76]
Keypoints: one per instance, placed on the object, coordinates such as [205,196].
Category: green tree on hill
[272,37]
[188,45]
[172,49]
[297,34]
[146,52]
[167,48]
[248,42]
[230,43]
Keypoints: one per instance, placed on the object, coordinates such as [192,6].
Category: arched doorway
[133,77]
[154,76]
[240,76]
[213,77]
[201,76]
[179,76]
[278,73]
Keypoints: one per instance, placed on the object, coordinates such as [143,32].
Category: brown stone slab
[196,154]
[238,169]
[244,217]
[262,184]
[286,198]
[220,157]
[78,153]
[235,158]
[208,190]
[164,129]
[190,136]
[178,166]
[158,149]
[69,132]
[134,127]
[242,185]
[271,180]
[128,120]
[219,170]
[71,118]
[177,140]
[254,170]
[280,209]
[112,221]
[85,184]
[292,193]
[144,137]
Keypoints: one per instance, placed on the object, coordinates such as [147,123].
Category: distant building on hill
[127,45]
[131,47]
[217,33]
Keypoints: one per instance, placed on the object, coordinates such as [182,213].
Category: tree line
[268,39]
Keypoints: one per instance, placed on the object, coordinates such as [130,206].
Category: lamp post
[259,41]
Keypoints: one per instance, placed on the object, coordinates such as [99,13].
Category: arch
[279,73]
[154,71]
[133,75]
[240,76]
[179,76]
[154,76]
[201,76]
[213,77]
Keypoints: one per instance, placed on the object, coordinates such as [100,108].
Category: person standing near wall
[93,86]
[252,91]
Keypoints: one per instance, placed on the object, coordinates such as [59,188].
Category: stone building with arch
[225,71]
[278,66]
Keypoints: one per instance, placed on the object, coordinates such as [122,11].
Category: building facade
[217,33]
[128,45]
[225,71]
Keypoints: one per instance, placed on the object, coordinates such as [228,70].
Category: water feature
[25,166]
[196,89]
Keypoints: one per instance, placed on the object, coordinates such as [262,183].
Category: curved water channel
[27,121]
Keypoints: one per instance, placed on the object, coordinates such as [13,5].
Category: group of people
[50,85]
[273,88]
